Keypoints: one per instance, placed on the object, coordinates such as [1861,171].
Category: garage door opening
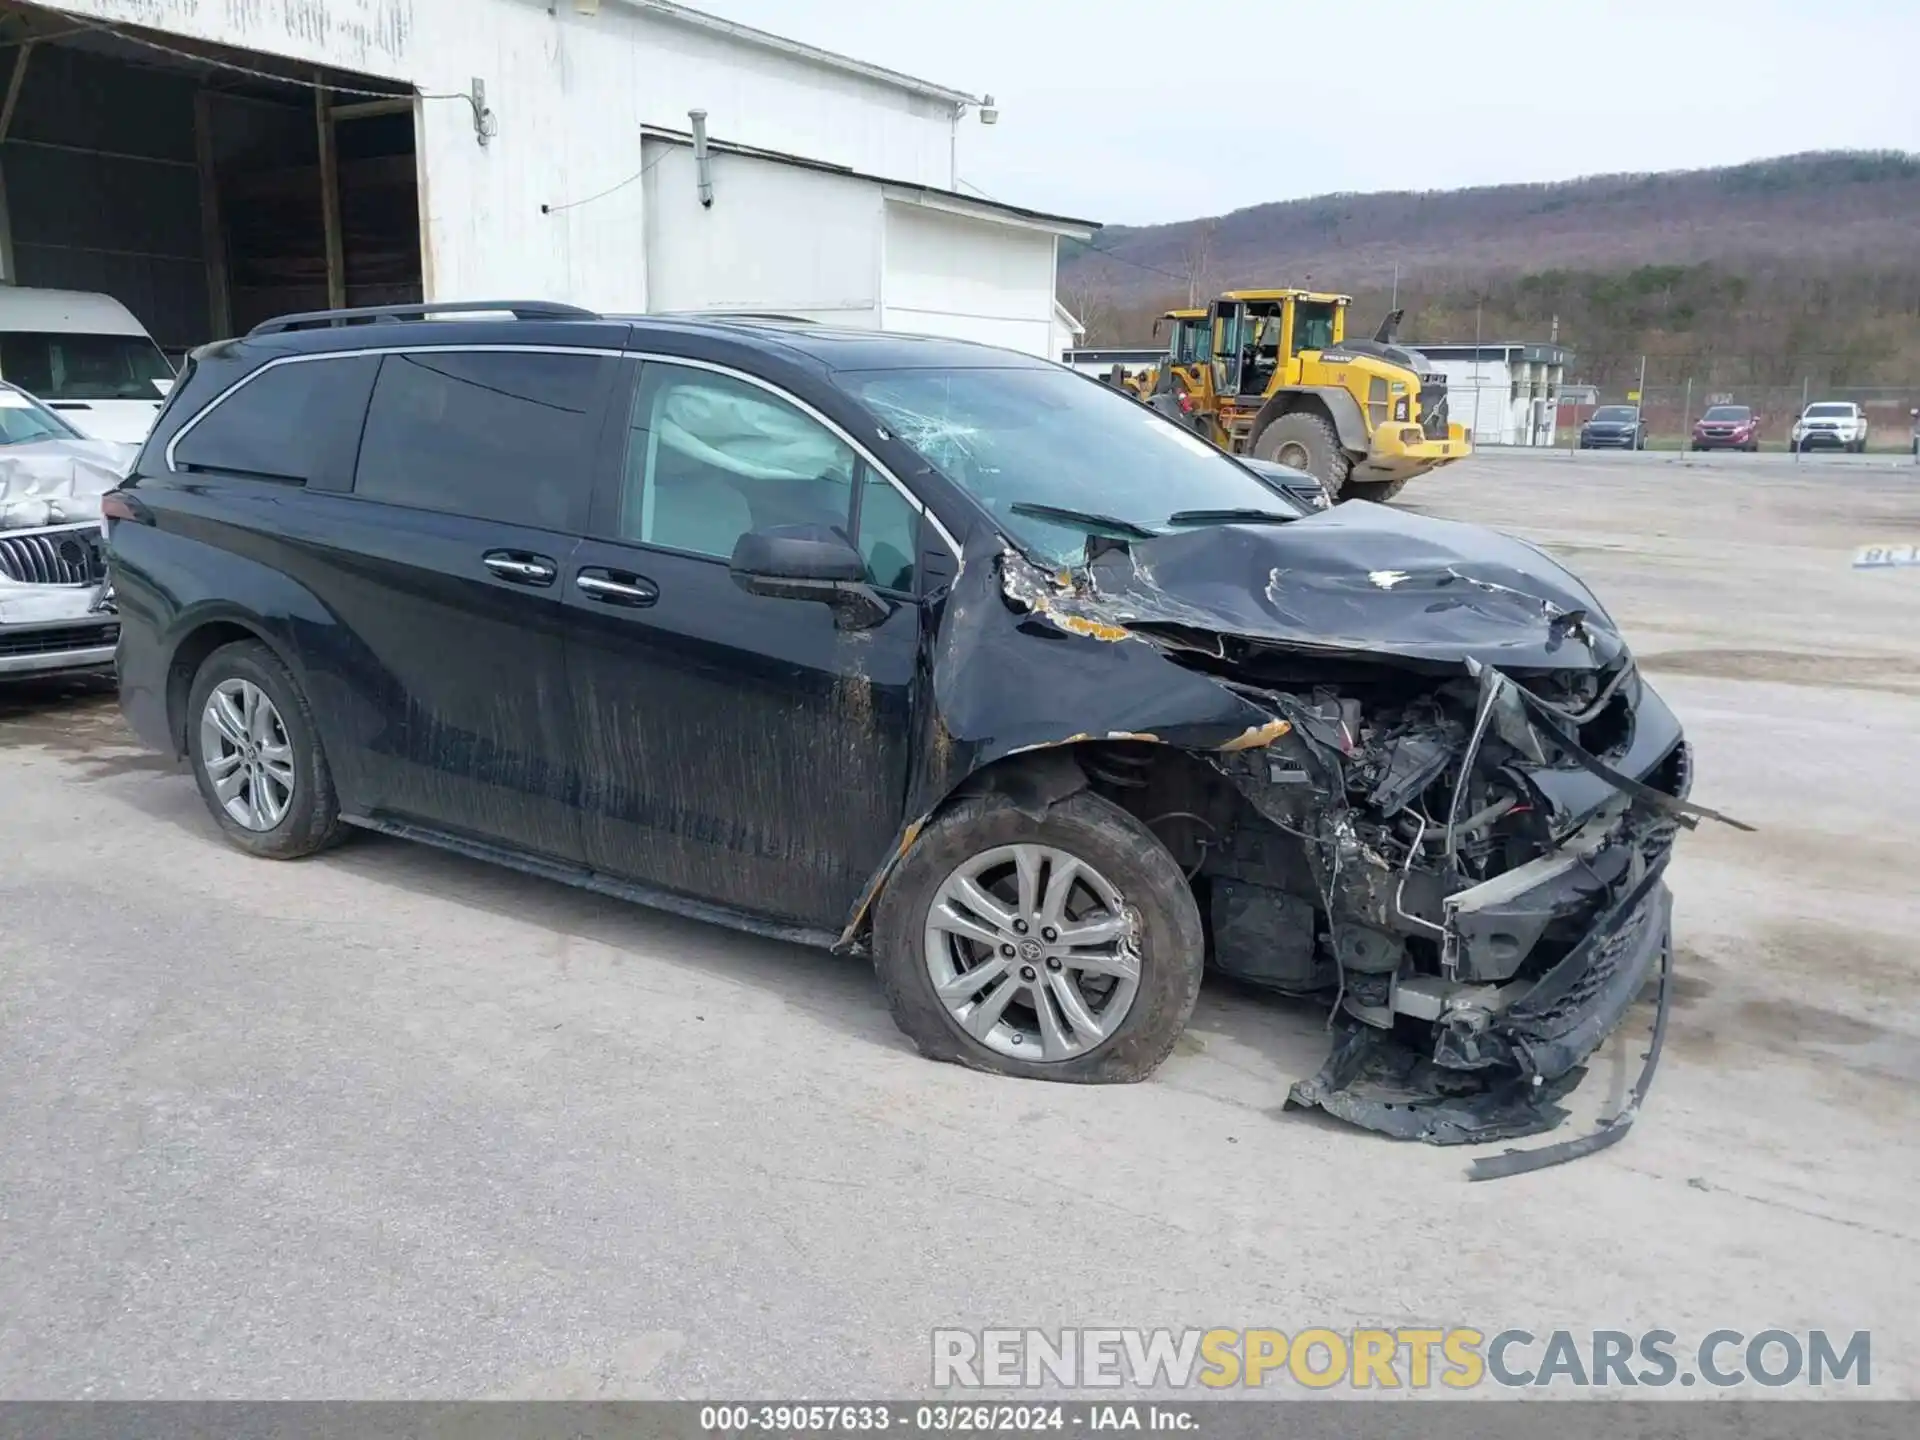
[204,188]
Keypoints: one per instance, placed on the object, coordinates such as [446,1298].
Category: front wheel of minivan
[256,755]
[1067,948]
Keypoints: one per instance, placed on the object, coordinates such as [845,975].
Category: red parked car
[1727,427]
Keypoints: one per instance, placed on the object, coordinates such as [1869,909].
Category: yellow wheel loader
[1271,374]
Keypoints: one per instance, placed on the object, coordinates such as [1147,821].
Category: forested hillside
[1770,273]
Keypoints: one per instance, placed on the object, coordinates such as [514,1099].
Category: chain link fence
[1670,406]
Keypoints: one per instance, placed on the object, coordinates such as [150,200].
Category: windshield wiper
[1227,517]
[1082,517]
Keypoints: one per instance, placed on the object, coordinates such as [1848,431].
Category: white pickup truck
[1840,424]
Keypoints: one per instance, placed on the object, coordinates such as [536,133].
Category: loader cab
[1189,337]
[1259,335]
[1188,369]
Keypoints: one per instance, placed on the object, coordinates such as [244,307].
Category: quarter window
[711,458]
[495,435]
[290,422]
[889,534]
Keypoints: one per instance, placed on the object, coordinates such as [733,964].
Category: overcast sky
[1119,111]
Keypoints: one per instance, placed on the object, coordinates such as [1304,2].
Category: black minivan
[914,648]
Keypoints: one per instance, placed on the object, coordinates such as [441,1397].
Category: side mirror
[808,562]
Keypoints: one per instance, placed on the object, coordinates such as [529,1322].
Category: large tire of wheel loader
[1306,442]
[1378,491]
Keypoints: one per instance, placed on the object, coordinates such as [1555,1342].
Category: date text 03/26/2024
[962,1419]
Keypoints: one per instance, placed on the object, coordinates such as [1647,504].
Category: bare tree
[1092,307]
[1198,256]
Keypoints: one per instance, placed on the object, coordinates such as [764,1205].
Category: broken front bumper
[1502,1056]
[1484,1049]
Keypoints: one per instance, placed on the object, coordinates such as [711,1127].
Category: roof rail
[373,314]
[768,315]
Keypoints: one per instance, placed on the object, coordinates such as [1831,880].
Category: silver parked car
[56,605]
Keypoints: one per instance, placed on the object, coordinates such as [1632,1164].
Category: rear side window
[495,435]
[296,421]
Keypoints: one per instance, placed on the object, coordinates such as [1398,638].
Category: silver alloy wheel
[247,753]
[1033,952]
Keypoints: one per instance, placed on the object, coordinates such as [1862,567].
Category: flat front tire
[256,755]
[1067,948]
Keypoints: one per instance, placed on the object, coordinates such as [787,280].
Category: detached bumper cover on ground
[1543,1039]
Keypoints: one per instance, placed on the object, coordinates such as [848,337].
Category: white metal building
[212,164]
[1100,359]
[1505,393]
[779,232]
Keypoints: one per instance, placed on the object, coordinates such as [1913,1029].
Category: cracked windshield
[1057,458]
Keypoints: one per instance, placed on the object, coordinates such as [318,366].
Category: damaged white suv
[56,608]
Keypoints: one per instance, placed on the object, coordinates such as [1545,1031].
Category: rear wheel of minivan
[256,755]
[1067,948]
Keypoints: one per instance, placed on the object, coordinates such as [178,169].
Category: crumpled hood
[1366,579]
[58,482]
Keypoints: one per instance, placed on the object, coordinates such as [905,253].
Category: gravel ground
[392,1123]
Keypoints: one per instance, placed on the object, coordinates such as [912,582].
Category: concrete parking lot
[392,1123]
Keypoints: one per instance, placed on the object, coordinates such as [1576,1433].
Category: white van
[85,356]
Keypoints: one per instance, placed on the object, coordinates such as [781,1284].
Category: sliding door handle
[630,590]
[519,567]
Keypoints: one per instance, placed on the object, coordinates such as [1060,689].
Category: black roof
[842,347]
[537,323]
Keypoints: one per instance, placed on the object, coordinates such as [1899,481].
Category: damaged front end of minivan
[1406,764]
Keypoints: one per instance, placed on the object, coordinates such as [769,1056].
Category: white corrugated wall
[968,278]
[776,238]
[569,95]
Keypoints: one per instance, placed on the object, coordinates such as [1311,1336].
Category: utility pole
[1640,403]
[1686,418]
[1806,383]
[1394,304]
[1477,386]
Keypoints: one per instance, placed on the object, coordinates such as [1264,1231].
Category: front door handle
[616,587]
[520,567]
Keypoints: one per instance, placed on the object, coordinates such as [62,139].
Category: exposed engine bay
[1407,766]
[1479,935]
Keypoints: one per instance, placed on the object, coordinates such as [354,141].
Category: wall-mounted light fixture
[989,115]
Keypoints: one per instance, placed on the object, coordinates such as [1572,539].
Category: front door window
[710,458]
